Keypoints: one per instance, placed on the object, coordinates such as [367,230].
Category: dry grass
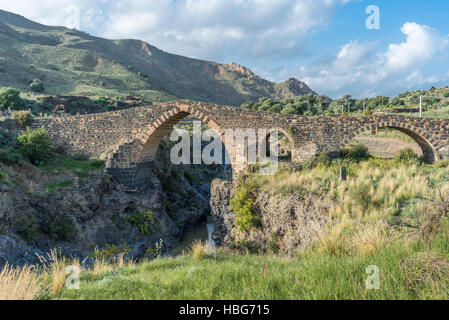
[18,284]
[371,237]
[426,270]
[54,272]
[201,250]
[368,210]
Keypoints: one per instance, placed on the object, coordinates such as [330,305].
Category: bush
[23,119]
[27,227]
[368,111]
[8,157]
[322,159]
[142,220]
[36,145]
[241,205]
[357,153]
[6,138]
[10,98]
[406,155]
[59,227]
[37,86]
[81,157]
[110,251]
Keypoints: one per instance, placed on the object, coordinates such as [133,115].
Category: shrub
[81,157]
[322,160]
[23,119]
[36,145]
[191,175]
[368,111]
[406,155]
[59,227]
[37,86]
[142,220]
[241,205]
[110,251]
[27,227]
[357,153]
[9,157]
[200,250]
[10,98]
[6,138]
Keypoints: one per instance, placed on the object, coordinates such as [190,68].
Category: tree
[10,98]
[36,145]
[368,111]
[37,86]
[23,119]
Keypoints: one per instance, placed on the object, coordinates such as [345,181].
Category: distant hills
[71,62]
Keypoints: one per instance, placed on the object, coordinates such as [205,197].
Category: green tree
[368,111]
[37,86]
[36,145]
[10,98]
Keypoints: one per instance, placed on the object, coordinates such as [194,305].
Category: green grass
[389,133]
[235,276]
[56,186]
[81,168]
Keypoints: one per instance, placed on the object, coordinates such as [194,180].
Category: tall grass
[18,283]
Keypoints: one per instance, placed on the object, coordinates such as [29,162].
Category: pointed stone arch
[130,163]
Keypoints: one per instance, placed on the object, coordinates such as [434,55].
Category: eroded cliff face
[89,215]
[91,212]
[287,223]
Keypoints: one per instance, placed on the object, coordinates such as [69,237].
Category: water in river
[201,233]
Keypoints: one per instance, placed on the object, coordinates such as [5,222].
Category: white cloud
[422,44]
[362,69]
[209,29]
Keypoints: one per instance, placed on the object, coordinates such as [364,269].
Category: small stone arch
[422,138]
[289,137]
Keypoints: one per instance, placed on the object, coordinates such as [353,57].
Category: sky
[358,47]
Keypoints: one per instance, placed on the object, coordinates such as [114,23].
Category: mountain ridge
[69,61]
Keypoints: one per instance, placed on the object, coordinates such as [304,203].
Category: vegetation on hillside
[435,104]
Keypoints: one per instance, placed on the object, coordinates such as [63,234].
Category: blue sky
[322,42]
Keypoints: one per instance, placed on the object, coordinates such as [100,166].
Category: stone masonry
[128,139]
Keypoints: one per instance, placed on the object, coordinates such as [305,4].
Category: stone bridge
[129,139]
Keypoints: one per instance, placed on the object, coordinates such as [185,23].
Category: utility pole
[420,106]
[349,107]
[342,110]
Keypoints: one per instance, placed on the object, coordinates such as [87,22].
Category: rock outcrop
[287,223]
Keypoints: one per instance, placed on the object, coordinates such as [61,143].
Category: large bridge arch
[154,132]
[418,135]
[131,163]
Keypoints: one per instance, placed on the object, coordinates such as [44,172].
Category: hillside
[435,104]
[69,61]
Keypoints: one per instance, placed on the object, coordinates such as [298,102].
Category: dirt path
[386,147]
